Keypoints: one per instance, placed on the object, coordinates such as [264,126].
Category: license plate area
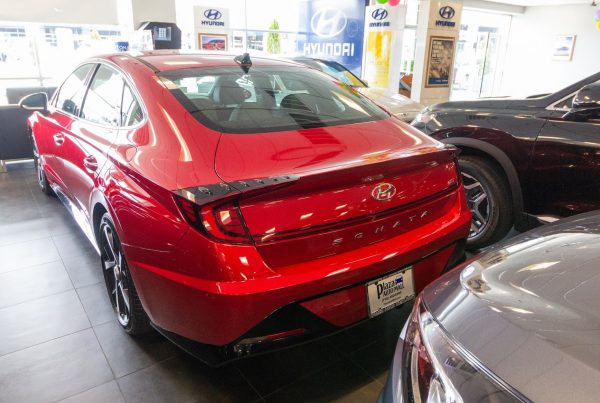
[390,291]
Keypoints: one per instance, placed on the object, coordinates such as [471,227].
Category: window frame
[86,84]
[89,78]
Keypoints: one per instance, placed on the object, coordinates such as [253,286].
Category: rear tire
[119,282]
[489,199]
[41,174]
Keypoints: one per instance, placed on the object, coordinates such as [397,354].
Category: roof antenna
[244,61]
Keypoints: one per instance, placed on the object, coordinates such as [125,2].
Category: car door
[92,135]
[63,112]
[565,168]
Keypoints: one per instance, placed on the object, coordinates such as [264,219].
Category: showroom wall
[60,11]
[530,68]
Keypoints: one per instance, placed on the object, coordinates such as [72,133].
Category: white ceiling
[527,3]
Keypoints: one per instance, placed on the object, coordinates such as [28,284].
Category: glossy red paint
[328,233]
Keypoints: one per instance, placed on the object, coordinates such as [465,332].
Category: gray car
[520,322]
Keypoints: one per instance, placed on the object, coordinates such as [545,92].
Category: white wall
[529,67]
[60,11]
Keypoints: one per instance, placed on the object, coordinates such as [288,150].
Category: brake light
[221,221]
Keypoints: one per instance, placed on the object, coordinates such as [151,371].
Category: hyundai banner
[384,27]
[333,30]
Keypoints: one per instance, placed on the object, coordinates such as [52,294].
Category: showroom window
[34,55]
[480,53]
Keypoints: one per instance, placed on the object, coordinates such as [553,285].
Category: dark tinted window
[72,91]
[268,99]
[131,112]
[103,100]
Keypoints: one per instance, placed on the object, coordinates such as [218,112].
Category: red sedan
[240,205]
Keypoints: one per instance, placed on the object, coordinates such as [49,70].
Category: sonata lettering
[382,228]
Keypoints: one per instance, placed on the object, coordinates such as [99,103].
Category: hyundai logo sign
[328,22]
[447,12]
[213,14]
[379,14]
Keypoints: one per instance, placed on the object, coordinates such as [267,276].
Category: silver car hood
[399,105]
[529,310]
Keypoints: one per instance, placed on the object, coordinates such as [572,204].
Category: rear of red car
[325,212]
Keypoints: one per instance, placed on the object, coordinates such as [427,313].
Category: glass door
[479,55]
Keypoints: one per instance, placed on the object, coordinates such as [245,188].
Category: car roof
[169,60]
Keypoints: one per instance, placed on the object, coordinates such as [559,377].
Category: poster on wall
[440,61]
[212,41]
[332,30]
[563,48]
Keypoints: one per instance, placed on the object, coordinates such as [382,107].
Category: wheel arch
[471,146]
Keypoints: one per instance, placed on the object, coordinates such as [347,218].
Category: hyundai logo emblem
[379,14]
[213,14]
[383,192]
[328,22]
[447,12]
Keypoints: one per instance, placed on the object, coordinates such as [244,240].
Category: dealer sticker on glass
[390,291]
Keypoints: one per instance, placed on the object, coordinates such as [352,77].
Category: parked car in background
[524,161]
[517,323]
[236,213]
[402,107]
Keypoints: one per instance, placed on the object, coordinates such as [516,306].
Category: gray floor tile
[270,372]
[25,254]
[22,231]
[34,282]
[343,381]
[96,303]
[40,320]
[84,269]
[184,379]
[72,244]
[126,354]
[107,393]
[54,370]
[376,358]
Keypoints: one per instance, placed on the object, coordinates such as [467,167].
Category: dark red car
[241,206]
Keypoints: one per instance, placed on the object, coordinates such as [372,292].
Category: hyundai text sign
[379,18]
[211,18]
[333,30]
[444,15]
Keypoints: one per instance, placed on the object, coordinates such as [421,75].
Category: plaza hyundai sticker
[390,291]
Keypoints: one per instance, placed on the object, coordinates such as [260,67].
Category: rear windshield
[268,99]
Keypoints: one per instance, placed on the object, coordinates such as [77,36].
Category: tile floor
[59,341]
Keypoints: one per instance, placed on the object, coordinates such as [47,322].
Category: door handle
[59,139]
[90,163]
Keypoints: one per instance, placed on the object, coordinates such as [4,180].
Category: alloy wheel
[479,204]
[38,167]
[116,275]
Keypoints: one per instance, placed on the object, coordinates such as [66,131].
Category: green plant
[273,39]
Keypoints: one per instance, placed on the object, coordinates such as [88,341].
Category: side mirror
[586,104]
[35,102]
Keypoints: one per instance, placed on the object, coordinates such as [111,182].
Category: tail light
[221,221]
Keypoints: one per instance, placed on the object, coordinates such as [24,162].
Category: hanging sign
[332,30]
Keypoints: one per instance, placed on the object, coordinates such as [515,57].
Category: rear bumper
[306,320]
[329,290]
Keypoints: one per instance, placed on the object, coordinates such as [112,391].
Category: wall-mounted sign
[439,61]
[333,30]
[211,19]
